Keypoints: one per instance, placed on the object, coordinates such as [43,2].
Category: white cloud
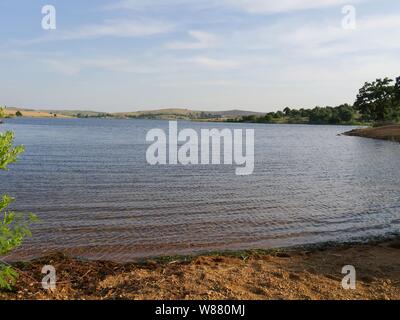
[251,6]
[146,4]
[109,28]
[278,6]
[63,67]
[73,67]
[323,39]
[215,63]
[373,34]
[122,29]
[203,40]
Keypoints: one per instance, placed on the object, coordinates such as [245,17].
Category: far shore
[390,133]
[306,273]
[25,113]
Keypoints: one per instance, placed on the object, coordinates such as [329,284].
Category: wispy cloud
[73,67]
[203,40]
[215,63]
[374,33]
[279,6]
[63,67]
[146,4]
[109,28]
[251,6]
[120,28]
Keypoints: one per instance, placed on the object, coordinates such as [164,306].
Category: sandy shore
[391,133]
[287,274]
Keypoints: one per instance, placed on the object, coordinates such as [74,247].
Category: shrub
[14,227]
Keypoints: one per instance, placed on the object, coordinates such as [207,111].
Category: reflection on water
[89,182]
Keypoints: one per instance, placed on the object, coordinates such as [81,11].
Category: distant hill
[187,114]
[30,113]
[160,114]
[164,114]
[239,113]
[79,113]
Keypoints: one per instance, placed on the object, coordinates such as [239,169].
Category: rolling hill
[164,114]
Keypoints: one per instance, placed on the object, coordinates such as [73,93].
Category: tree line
[377,102]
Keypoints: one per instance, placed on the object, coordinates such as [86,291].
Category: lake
[97,198]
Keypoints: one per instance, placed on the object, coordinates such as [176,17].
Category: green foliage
[378,100]
[8,153]
[7,275]
[18,114]
[373,99]
[343,114]
[96,115]
[397,99]
[397,89]
[2,113]
[14,227]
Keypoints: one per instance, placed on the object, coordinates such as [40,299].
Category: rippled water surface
[96,196]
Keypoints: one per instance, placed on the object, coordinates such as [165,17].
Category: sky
[259,55]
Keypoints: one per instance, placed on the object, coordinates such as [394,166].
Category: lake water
[96,196]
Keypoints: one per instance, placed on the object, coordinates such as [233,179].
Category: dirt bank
[391,133]
[292,274]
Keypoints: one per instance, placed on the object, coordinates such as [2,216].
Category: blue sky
[128,55]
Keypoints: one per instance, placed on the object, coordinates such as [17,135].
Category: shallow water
[96,196]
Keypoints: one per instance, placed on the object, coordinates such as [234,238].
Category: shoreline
[306,272]
[218,121]
[388,133]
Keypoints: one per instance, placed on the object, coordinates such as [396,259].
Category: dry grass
[297,274]
[32,113]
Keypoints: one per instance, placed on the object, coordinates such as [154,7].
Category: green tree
[320,115]
[346,113]
[14,227]
[304,112]
[397,92]
[287,111]
[279,114]
[376,100]
[2,113]
[268,118]
[397,100]
[18,114]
